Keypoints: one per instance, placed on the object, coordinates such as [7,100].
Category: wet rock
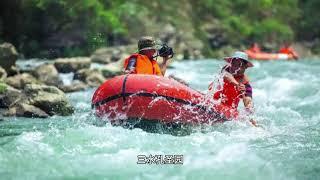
[113,69]
[92,77]
[106,55]
[110,71]
[111,54]
[49,99]
[95,80]
[26,110]
[3,74]
[67,65]
[9,112]
[9,95]
[20,80]
[84,73]
[75,86]
[8,56]
[48,74]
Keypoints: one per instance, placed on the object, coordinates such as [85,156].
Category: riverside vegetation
[45,28]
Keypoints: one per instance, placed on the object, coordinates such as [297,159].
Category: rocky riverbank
[40,92]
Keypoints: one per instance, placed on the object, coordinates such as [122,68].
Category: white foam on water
[30,63]
[31,137]
[66,78]
[278,89]
[33,142]
[256,64]
[231,153]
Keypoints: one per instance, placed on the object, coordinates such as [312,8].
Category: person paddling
[143,62]
[287,49]
[236,85]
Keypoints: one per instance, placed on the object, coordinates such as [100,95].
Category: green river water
[286,97]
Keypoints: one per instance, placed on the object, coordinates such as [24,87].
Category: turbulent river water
[286,97]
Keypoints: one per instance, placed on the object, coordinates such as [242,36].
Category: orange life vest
[229,94]
[285,50]
[289,51]
[144,65]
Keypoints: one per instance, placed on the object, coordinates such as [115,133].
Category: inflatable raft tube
[268,56]
[154,99]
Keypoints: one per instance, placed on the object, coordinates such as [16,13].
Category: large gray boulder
[20,80]
[106,55]
[8,56]
[26,110]
[75,86]
[112,69]
[50,99]
[112,54]
[9,95]
[67,65]
[110,72]
[48,74]
[92,77]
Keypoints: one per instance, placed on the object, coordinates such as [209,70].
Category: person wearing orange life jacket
[287,49]
[236,85]
[143,62]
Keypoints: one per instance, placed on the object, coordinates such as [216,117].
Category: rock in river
[67,65]
[50,99]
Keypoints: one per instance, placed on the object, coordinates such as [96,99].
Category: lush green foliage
[77,27]
[255,20]
[3,87]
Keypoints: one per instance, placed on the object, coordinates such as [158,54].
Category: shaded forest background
[55,28]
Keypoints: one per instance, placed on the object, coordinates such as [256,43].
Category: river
[286,97]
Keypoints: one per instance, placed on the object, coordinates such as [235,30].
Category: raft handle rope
[123,91]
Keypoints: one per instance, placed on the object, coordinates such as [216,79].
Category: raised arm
[163,65]
[248,104]
[229,77]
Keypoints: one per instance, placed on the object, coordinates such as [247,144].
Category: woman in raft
[236,85]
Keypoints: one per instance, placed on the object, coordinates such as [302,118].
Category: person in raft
[255,48]
[143,62]
[287,49]
[236,83]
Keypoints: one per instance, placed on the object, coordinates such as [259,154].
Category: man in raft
[235,84]
[287,49]
[143,62]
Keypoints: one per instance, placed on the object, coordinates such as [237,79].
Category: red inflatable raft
[268,56]
[154,98]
